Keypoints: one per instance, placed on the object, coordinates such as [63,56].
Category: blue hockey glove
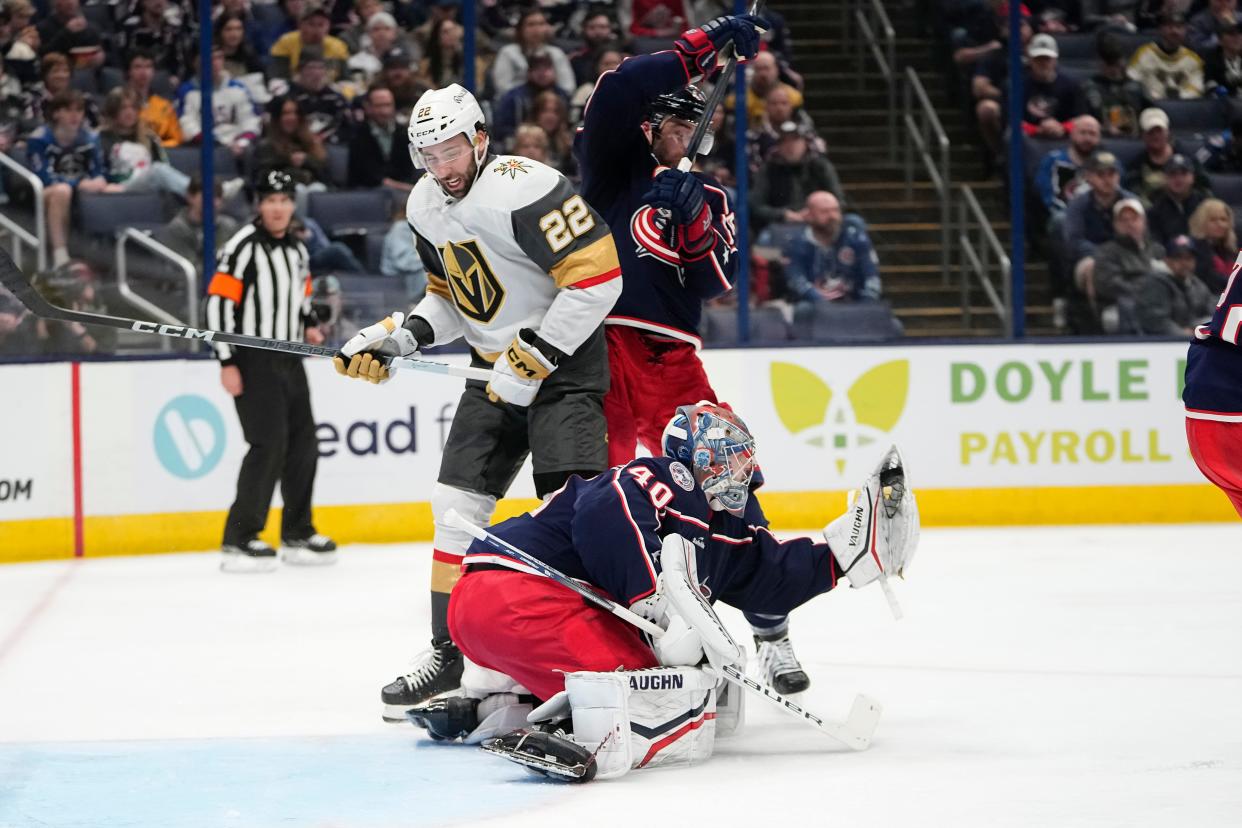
[702,46]
[682,195]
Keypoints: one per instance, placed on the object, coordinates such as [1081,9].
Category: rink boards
[132,457]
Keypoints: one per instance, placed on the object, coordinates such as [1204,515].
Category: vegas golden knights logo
[476,290]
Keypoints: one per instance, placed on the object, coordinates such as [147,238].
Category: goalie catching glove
[367,353]
[521,369]
[877,535]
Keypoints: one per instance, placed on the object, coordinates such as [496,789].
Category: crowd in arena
[1129,117]
[104,98]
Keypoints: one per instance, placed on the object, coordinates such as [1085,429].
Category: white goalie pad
[680,584]
[644,718]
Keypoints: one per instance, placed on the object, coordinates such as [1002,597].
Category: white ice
[1041,677]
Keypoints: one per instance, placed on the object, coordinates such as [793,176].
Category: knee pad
[475,507]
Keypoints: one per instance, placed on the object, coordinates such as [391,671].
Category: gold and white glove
[366,354]
[521,369]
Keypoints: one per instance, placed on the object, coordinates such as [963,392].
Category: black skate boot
[436,670]
[446,719]
[317,550]
[778,664]
[248,556]
[545,754]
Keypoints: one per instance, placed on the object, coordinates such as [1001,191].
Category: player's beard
[461,188]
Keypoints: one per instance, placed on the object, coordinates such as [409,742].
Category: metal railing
[925,136]
[37,240]
[976,257]
[873,24]
[158,314]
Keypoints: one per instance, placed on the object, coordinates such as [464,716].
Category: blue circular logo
[189,437]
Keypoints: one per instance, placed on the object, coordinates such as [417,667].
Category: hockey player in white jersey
[525,271]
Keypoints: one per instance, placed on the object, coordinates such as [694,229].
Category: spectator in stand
[266,34]
[312,31]
[764,77]
[290,146]
[1111,96]
[184,234]
[832,260]
[658,18]
[158,113]
[67,158]
[991,77]
[597,36]
[354,33]
[1176,202]
[67,31]
[240,57]
[235,123]
[1089,218]
[984,30]
[378,151]
[790,174]
[71,284]
[533,36]
[1222,65]
[605,61]
[57,79]
[17,115]
[530,141]
[550,113]
[1222,153]
[1165,67]
[327,305]
[778,108]
[440,11]
[445,56]
[382,36]
[1052,99]
[1172,300]
[21,56]
[399,77]
[1120,265]
[399,258]
[518,104]
[157,28]
[326,111]
[1121,15]
[133,156]
[1146,173]
[1060,176]
[1205,27]
[1216,243]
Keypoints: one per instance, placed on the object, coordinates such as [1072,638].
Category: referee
[262,287]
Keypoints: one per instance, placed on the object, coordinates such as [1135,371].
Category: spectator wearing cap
[67,31]
[597,35]
[790,174]
[778,108]
[1172,300]
[1111,96]
[1060,175]
[399,75]
[765,75]
[1222,65]
[378,150]
[184,234]
[158,113]
[312,31]
[517,105]
[832,260]
[1166,67]
[1202,34]
[240,57]
[1052,100]
[1146,173]
[235,122]
[1216,243]
[157,27]
[533,35]
[1120,264]
[1172,206]
[381,35]
[326,111]
[1089,218]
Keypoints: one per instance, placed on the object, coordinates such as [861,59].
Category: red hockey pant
[1217,450]
[534,630]
[650,377]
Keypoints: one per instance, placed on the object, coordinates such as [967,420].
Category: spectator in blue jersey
[265,33]
[67,158]
[1060,175]
[1173,205]
[236,122]
[518,104]
[832,260]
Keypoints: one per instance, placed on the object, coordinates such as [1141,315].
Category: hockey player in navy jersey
[647,534]
[1213,392]
[674,237]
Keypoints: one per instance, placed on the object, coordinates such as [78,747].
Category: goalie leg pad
[644,718]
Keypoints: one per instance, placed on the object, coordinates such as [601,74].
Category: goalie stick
[855,732]
[16,283]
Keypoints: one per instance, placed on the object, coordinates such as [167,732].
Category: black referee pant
[276,420]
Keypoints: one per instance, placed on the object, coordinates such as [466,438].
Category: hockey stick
[16,283]
[855,732]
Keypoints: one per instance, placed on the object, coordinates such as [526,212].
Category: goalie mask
[441,114]
[688,104]
[718,448]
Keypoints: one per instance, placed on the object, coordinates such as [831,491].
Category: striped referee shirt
[261,287]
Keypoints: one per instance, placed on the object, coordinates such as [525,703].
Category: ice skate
[436,670]
[250,556]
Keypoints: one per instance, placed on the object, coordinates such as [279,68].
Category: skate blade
[296,556]
[246,564]
[536,764]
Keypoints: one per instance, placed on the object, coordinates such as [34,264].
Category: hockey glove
[683,196]
[521,369]
[877,535]
[701,47]
[366,354]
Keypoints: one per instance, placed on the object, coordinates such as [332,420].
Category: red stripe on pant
[534,630]
[1217,450]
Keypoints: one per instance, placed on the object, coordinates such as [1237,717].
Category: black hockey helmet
[274,181]
[688,104]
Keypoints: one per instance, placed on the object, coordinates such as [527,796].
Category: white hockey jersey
[520,250]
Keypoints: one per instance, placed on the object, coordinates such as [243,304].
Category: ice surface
[1041,677]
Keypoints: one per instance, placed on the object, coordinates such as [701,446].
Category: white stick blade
[862,721]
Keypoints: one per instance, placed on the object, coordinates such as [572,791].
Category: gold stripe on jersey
[596,259]
[477,292]
[437,285]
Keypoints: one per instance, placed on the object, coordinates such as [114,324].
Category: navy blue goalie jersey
[662,293]
[608,531]
[1214,364]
